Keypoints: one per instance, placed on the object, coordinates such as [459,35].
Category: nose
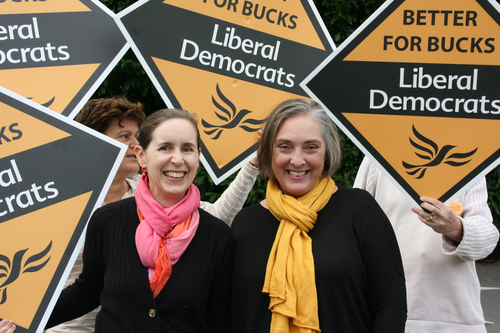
[133,142]
[297,158]
[177,158]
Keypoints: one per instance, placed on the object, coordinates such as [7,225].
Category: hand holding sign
[440,218]
[7,326]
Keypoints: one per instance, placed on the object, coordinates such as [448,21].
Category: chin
[297,192]
[133,168]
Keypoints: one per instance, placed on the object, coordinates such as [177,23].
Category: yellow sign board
[230,62]
[49,186]
[56,53]
[419,93]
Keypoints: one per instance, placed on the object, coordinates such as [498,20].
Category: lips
[131,154]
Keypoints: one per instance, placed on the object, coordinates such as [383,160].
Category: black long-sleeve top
[359,273]
[196,298]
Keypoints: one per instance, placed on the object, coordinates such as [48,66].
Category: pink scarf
[158,223]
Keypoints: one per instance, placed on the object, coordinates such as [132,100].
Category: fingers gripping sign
[7,326]
[440,218]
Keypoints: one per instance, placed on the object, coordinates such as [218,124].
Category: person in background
[156,262]
[313,255]
[120,119]
[439,249]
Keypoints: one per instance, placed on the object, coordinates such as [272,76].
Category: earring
[144,171]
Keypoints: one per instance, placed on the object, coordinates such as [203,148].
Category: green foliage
[494,190]
[493,180]
[117,5]
[351,159]
[129,79]
[342,18]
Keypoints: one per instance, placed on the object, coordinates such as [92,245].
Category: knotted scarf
[290,277]
[156,250]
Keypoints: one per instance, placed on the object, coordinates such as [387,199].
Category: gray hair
[293,108]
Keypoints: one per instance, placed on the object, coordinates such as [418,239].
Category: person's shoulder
[255,216]
[133,181]
[253,209]
[127,203]
[356,200]
[349,193]
[250,212]
[213,223]
[368,166]
[113,211]
[214,233]
[206,216]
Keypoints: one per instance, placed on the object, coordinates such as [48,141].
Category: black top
[196,298]
[359,273]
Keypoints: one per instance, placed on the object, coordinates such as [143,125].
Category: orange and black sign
[50,183]
[419,92]
[57,52]
[228,61]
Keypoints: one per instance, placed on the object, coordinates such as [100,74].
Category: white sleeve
[480,234]
[233,198]
[366,178]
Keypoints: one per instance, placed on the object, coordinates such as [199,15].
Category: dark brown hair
[157,118]
[100,113]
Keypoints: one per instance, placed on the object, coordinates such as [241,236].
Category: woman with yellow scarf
[313,256]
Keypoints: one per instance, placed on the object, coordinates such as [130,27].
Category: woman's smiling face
[171,160]
[125,131]
[298,155]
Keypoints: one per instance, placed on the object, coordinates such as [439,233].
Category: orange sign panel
[229,62]
[57,52]
[418,93]
[49,186]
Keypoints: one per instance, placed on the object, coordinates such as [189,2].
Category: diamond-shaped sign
[50,183]
[419,92]
[57,53]
[230,62]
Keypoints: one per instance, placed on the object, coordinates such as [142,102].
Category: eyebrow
[305,142]
[173,144]
[123,131]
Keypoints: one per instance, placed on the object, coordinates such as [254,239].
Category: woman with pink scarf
[156,262]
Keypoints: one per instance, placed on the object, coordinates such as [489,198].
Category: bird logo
[13,269]
[430,152]
[47,104]
[231,117]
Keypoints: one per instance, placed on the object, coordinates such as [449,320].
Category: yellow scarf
[290,278]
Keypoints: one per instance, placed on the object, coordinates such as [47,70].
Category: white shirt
[442,285]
